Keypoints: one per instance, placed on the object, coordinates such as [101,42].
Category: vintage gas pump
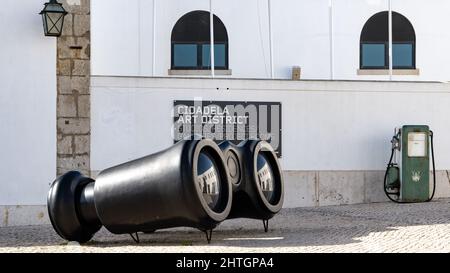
[407,177]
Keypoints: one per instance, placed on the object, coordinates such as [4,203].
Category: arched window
[191,42]
[374,43]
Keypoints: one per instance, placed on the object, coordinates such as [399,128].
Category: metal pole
[331,40]
[211,29]
[390,40]
[139,37]
[154,39]
[269,7]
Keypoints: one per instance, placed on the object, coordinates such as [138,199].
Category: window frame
[199,65]
[386,48]
[386,55]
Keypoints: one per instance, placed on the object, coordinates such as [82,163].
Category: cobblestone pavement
[381,227]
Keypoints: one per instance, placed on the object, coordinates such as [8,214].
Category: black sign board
[228,120]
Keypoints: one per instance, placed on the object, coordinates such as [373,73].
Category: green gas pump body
[409,179]
[415,160]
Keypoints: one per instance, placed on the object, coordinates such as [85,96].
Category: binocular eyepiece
[257,180]
[194,183]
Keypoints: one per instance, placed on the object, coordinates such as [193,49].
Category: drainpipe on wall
[331,40]
[269,7]
[211,29]
[154,39]
[390,40]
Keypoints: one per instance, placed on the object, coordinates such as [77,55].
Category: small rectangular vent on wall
[296,72]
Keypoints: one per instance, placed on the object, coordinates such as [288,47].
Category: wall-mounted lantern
[53,18]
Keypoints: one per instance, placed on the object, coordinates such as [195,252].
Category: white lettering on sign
[228,120]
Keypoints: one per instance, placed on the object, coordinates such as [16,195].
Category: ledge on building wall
[188,72]
[413,72]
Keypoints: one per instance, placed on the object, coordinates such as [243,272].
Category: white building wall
[335,137]
[349,17]
[27,105]
[301,37]
[125,47]
[339,125]
[428,19]
[431,25]
[122,36]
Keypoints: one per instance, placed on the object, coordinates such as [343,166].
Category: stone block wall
[73,99]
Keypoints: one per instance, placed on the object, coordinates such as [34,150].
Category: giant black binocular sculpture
[189,184]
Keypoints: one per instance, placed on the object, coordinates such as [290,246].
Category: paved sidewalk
[382,227]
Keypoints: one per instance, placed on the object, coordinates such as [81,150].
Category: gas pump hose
[434,167]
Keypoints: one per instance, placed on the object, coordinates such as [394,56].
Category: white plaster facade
[27,105]
[320,36]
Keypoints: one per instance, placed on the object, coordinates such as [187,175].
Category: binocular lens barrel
[184,185]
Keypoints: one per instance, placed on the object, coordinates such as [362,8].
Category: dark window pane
[373,55]
[185,55]
[402,55]
[219,55]
[376,28]
[194,27]
[402,29]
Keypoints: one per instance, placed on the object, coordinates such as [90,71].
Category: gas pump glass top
[417,144]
